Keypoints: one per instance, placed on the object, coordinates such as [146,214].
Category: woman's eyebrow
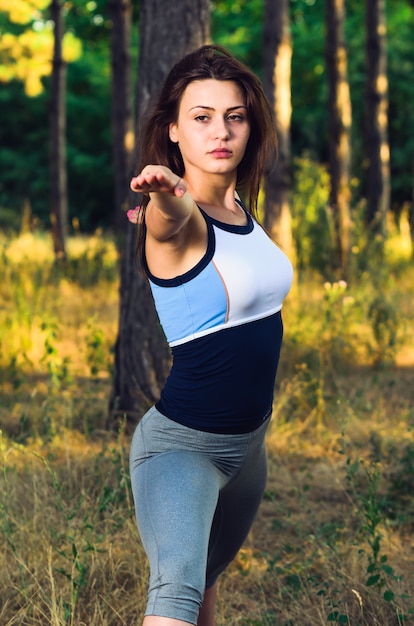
[207,108]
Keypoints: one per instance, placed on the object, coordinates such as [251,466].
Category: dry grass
[338,508]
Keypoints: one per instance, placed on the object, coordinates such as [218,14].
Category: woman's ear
[172,131]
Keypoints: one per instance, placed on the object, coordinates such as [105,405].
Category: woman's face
[212,129]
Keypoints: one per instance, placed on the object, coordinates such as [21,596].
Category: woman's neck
[214,193]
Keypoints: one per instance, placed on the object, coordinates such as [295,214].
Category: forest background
[24,131]
[333,542]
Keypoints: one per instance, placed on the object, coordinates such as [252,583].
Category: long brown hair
[211,61]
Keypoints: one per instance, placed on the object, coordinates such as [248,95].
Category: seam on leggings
[149,516]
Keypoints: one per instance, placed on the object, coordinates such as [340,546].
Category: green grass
[333,539]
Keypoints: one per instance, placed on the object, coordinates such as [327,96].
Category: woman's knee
[176,596]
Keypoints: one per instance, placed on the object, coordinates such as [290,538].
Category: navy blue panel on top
[225,379]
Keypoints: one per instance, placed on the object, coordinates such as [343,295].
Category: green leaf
[387,569]
[332,617]
[388,595]
[372,580]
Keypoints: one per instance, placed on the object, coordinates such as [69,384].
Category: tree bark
[57,115]
[168,30]
[376,119]
[120,12]
[277,70]
[339,132]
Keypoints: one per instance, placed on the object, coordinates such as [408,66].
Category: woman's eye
[236,117]
[201,118]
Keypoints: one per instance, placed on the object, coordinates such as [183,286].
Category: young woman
[198,461]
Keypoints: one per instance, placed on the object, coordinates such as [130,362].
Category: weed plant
[333,542]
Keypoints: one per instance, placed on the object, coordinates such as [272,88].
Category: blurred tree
[167,32]
[376,120]
[400,65]
[339,135]
[26,47]
[120,12]
[309,132]
[277,55]
[26,58]
[58,180]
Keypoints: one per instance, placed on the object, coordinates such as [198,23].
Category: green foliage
[238,26]
[24,139]
[364,483]
[309,90]
[311,223]
[400,17]
[89,155]
[98,353]
[23,151]
[385,323]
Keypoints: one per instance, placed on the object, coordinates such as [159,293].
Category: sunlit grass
[399,247]
[37,247]
[338,508]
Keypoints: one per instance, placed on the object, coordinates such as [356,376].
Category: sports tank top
[223,322]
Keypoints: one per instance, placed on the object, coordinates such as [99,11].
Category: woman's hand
[158,179]
[170,207]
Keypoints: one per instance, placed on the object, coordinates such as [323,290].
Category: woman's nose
[221,130]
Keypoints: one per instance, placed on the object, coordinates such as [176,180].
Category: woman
[198,462]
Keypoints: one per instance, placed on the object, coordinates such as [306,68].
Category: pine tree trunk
[120,12]
[376,119]
[168,30]
[277,70]
[339,130]
[58,182]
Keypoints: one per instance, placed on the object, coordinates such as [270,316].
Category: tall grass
[333,540]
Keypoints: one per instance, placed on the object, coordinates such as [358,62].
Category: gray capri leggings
[196,495]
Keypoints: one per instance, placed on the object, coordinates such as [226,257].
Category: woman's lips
[221,153]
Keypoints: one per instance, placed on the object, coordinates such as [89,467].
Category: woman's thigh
[238,503]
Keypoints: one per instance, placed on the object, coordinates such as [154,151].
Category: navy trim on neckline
[231,228]
[211,248]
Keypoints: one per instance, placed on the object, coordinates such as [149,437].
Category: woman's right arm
[170,207]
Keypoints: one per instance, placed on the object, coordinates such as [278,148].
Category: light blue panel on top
[193,306]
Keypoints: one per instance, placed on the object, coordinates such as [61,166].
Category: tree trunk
[339,121]
[168,30]
[120,12]
[411,222]
[277,68]
[58,182]
[376,119]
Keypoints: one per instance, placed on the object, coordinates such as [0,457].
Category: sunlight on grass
[38,247]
